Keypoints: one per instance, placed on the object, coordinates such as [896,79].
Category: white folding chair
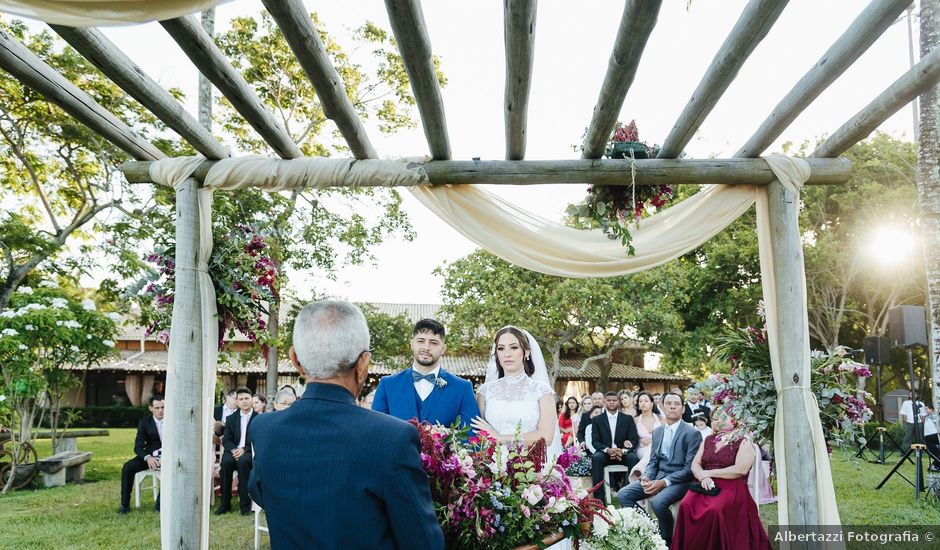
[139,480]
[258,527]
[615,468]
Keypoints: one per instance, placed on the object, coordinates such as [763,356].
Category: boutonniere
[440,382]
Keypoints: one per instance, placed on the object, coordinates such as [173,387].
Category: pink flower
[525,511]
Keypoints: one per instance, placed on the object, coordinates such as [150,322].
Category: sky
[573,45]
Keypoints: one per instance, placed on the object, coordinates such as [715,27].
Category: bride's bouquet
[497,496]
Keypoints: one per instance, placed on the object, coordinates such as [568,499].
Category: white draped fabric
[542,245]
[98,13]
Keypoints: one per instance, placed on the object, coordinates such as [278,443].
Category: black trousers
[130,469]
[229,465]
[933,448]
[601,460]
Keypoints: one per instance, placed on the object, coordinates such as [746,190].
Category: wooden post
[791,328]
[184,514]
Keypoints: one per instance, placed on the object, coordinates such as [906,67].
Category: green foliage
[390,335]
[482,293]
[56,175]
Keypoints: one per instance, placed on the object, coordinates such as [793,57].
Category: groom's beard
[426,362]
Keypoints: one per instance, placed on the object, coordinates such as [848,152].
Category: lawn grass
[84,516]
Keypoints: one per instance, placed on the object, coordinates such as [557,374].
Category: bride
[516,397]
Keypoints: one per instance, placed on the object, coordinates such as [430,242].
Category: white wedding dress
[511,406]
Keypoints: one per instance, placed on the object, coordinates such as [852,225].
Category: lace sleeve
[485,390]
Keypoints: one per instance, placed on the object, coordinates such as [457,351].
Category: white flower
[30,327]
[72,323]
[59,303]
[89,305]
[8,314]
[29,307]
[114,316]
[24,290]
[599,527]
[9,332]
[49,283]
[108,343]
[2,398]
[533,494]
[22,347]
[74,348]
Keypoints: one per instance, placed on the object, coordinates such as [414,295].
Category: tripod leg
[895,469]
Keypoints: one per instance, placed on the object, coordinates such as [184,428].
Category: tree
[58,176]
[928,186]
[482,293]
[389,336]
[42,331]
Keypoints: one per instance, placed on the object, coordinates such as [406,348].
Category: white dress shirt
[907,411]
[423,387]
[612,420]
[244,422]
[671,439]
[159,424]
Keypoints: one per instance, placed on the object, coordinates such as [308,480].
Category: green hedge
[101,417]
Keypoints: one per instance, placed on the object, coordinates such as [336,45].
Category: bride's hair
[527,350]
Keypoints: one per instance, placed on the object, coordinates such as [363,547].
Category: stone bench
[63,467]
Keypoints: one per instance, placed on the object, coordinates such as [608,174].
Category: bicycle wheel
[25,459]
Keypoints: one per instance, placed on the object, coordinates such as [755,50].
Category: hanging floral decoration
[244,275]
[615,209]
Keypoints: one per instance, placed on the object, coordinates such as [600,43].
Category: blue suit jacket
[396,396]
[678,468]
[330,474]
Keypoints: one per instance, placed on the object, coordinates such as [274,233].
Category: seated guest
[351,477]
[615,440]
[728,519]
[236,453]
[223,411]
[669,472]
[366,401]
[694,406]
[701,424]
[147,446]
[646,424]
[284,398]
[568,420]
[596,403]
[259,403]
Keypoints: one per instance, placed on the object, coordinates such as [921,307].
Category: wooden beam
[861,34]
[919,79]
[788,292]
[205,55]
[407,22]
[636,24]
[184,522]
[304,40]
[519,36]
[608,172]
[103,54]
[32,71]
[753,25]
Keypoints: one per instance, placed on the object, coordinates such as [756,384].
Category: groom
[426,391]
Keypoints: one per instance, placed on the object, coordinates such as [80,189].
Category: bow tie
[417,376]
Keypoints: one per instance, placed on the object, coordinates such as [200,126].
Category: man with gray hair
[351,478]
[284,398]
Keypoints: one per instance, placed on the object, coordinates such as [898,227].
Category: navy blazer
[330,474]
[396,395]
[233,431]
[678,469]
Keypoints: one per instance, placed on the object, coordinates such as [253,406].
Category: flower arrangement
[494,496]
[615,208]
[624,529]
[749,397]
[245,278]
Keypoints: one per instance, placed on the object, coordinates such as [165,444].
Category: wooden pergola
[185,523]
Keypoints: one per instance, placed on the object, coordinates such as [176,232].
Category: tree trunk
[928,187]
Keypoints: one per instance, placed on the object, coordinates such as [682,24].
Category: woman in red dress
[728,520]
[567,420]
